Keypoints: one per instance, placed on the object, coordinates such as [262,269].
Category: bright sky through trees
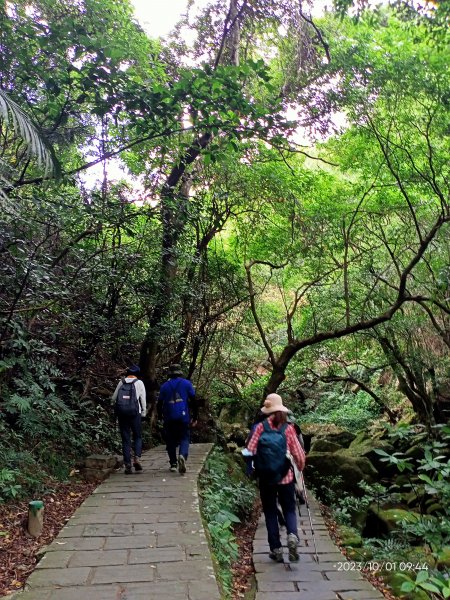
[157,17]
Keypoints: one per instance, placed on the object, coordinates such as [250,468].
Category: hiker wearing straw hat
[270,442]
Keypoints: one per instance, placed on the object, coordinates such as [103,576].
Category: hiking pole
[297,495]
[305,495]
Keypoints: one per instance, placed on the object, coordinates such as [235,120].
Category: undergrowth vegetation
[227,497]
[352,411]
[410,514]
[46,430]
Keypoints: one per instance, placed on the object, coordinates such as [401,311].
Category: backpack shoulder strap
[266,426]
[175,388]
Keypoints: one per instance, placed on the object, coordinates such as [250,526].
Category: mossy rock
[367,447]
[363,463]
[344,438]
[413,498]
[443,558]
[331,432]
[324,445]
[358,518]
[350,536]
[360,438]
[416,452]
[341,473]
[381,522]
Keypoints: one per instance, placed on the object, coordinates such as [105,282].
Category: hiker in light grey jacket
[130,426]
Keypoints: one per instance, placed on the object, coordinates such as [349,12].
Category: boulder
[324,445]
[417,452]
[331,432]
[339,472]
[381,522]
[367,447]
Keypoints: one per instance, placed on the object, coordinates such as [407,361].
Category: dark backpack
[176,408]
[271,463]
[127,403]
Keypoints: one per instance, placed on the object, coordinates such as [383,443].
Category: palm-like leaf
[12,114]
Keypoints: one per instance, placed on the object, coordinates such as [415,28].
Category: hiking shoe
[292,547]
[173,467]
[137,465]
[128,469]
[181,464]
[277,555]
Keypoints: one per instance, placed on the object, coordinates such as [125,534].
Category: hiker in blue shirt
[178,409]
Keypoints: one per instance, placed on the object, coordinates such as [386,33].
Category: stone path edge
[135,537]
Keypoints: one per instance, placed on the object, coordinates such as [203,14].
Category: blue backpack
[127,403]
[176,408]
[271,463]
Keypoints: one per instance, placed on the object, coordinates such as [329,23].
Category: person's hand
[193,423]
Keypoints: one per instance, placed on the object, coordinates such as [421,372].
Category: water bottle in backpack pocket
[271,462]
[127,403]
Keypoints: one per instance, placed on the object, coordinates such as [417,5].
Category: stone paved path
[309,579]
[136,537]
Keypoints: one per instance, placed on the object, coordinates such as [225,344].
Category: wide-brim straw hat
[273,403]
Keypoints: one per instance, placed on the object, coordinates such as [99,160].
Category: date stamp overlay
[382,565]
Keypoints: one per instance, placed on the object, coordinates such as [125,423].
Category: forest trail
[136,537]
[309,579]
[140,536]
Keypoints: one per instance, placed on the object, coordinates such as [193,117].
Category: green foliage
[347,509]
[9,489]
[89,274]
[426,477]
[227,497]
[351,411]
[325,489]
[393,549]
[434,583]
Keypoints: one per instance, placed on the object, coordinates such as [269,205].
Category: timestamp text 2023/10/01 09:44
[374,565]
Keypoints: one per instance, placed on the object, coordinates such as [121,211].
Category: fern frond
[12,114]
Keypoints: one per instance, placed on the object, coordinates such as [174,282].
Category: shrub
[227,497]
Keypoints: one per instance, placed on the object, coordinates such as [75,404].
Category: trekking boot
[292,542]
[277,555]
[137,464]
[181,464]
[128,470]
[173,467]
